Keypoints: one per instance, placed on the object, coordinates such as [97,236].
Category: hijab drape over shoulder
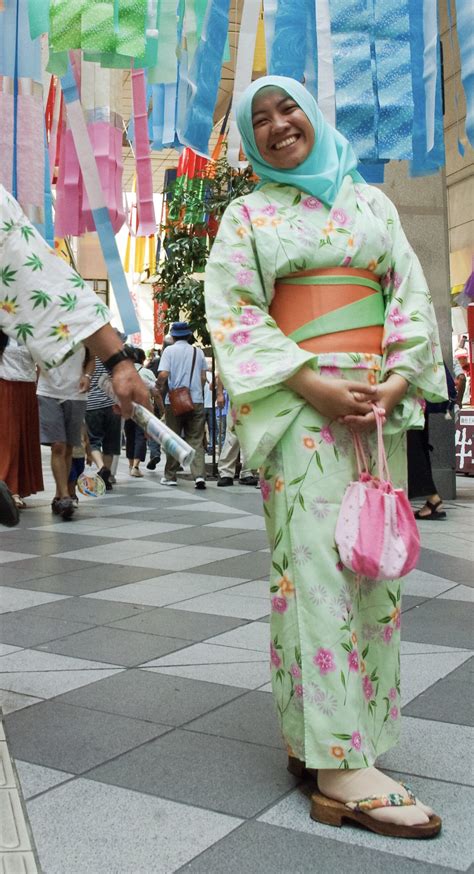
[331,159]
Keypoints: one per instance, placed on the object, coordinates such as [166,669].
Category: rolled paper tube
[172,443]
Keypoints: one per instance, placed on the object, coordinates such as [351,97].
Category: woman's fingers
[368,391]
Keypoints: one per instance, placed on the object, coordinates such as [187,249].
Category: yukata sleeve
[411,346]
[44,303]
[254,357]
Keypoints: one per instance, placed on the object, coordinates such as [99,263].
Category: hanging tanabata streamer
[97,204]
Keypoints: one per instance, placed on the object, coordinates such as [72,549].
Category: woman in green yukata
[318,308]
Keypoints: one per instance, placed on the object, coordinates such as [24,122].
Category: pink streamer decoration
[30,151]
[6,139]
[146,209]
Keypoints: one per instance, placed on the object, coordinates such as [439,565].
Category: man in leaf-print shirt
[47,305]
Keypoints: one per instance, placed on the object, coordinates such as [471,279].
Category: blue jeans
[154,449]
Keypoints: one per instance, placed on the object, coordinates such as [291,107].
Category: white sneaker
[168,482]
[199,483]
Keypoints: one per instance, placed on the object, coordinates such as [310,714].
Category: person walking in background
[184,365]
[62,396]
[222,411]
[104,426]
[208,409]
[135,437]
[20,451]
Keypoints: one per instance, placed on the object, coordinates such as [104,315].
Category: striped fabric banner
[243,72]
[97,203]
[465,29]
[326,83]
[288,56]
[146,209]
[355,114]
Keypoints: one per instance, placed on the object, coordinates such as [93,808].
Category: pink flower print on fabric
[394,713]
[394,337]
[393,358]
[393,694]
[387,633]
[245,278]
[274,657]
[396,279]
[238,258]
[249,368]
[356,740]
[324,660]
[240,338]
[246,212]
[347,261]
[331,370]
[270,210]
[327,435]
[368,688]
[353,660]
[266,489]
[250,317]
[340,217]
[279,604]
[311,203]
[299,690]
[295,671]
[396,317]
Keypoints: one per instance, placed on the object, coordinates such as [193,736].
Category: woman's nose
[279,123]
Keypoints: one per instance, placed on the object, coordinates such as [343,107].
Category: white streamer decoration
[243,72]
[326,81]
[430,67]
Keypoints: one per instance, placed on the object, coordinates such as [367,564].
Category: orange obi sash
[337,309]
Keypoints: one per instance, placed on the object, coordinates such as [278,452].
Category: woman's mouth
[286,143]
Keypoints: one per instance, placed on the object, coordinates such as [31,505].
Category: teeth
[287,142]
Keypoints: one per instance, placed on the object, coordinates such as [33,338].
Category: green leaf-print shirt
[43,302]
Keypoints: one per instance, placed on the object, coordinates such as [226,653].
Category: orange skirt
[20,451]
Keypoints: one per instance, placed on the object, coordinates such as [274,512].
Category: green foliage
[187,246]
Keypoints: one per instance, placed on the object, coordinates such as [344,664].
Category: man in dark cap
[184,365]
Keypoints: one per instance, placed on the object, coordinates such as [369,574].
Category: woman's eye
[291,107]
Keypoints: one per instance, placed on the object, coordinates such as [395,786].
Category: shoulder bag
[180,398]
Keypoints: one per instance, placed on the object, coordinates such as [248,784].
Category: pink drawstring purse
[376,532]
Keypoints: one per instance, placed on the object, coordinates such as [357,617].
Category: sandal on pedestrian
[434,515]
[331,812]
[19,502]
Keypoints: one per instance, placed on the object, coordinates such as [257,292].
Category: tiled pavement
[134,670]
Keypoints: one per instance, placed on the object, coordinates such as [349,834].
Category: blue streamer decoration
[311,69]
[465,28]
[423,163]
[461,148]
[373,173]
[15,106]
[351,39]
[205,74]
[394,81]
[290,41]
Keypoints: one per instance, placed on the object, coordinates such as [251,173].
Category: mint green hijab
[330,160]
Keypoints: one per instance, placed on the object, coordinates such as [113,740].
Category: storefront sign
[465,442]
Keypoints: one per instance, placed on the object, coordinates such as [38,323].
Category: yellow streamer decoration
[260,56]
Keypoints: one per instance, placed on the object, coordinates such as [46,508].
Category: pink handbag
[376,532]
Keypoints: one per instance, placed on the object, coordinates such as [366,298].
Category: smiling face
[284,135]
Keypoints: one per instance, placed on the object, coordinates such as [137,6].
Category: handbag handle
[361,458]
[192,368]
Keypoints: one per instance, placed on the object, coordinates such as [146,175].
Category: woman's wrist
[392,391]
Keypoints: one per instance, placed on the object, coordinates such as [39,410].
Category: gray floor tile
[452,848]
[249,540]
[153,697]
[253,566]
[420,671]
[252,523]
[410,601]
[45,675]
[432,749]
[73,739]
[458,593]
[218,773]
[48,543]
[254,635]
[215,664]
[42,566]
[420,583]
[449,623]
[8,556]
[251,718]
[161,835]
[11,701]
[114,645]
[84,582]
[179,623]
[31,629]
[186,557]
[220,604]
[168,589]
[459,570]
[12,599]
[259,848]
[88,610]
[115,552]
[35,779]
[197,535]
[450,698]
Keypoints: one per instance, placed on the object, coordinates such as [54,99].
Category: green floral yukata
[335,638]
[43,302]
